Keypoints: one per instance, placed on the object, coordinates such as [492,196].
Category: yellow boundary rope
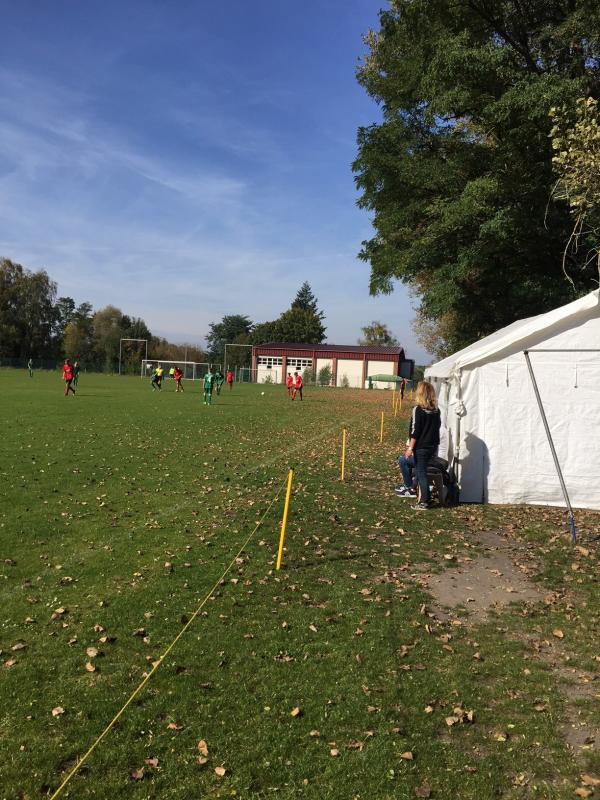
[157,664]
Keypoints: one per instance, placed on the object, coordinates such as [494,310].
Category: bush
[324,376]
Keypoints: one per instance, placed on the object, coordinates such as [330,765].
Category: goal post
[192,370]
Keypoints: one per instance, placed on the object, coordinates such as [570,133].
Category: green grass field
[120,510]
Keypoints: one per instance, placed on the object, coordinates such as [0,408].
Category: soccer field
[122,508]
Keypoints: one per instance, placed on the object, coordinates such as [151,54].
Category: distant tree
[27,312]
[107,334]
[377,335]
[306,300]
[264,332]
[231,327]
[299,325]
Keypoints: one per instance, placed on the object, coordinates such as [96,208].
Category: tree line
[36,323]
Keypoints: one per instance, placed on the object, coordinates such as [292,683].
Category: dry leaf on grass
[314,734]
[334,752]
[174,726]
[220,771]
[558,633]
[295,712]
[58,711]
[137,774]
[408,756]
[590,780]
[583,792]
[202,748]
[151,762]
[89,667]
[92,652]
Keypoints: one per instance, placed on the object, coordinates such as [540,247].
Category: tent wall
[504,452]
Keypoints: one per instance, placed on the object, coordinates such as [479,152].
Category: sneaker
[404,491]
[421,507]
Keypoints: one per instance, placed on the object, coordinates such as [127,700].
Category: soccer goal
[192,370]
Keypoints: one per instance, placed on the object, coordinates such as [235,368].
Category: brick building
[348,363]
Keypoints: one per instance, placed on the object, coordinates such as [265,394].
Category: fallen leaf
[202,760]
[92,652]
[58,711]
[295,712]
[137,774]
[590,780]
[202,747]
[450,721]
[20,645]
[152,762]
[334,752]
[408,756]
[89,667]
[174,726]
[220,771]
[558,633]
[314,734]
[583,792]
[500,736]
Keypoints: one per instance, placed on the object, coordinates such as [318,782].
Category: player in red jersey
[178,375]
[229,379]
[68,377]
[289,382]
[298,384]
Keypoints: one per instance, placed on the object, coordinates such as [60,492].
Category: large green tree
[458,174]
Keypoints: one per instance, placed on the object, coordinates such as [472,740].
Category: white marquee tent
[487,395]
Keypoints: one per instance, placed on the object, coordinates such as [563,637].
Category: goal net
[192,370]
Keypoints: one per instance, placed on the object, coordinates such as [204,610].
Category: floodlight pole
[551,443]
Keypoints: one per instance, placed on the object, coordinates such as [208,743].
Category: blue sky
[187,160]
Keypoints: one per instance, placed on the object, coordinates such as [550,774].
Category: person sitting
[407,465]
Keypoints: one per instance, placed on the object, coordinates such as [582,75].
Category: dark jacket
[425,427]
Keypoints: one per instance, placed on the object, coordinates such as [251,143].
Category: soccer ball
[262,392]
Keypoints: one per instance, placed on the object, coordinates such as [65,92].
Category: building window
[299,363]
[269,361]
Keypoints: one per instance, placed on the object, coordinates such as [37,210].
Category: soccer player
[160,373]
[230,379]
[172,373]
[68,377]
[289,382]
[219,380]
[30,367]
[208,387]
[76,371]
[178,375]
[156,379]
[298,384]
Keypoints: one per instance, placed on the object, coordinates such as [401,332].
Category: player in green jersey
[219,378]
[208,387]
[76,371]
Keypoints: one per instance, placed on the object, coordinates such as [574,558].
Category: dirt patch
[487,583]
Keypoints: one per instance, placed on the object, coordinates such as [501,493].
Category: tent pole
[551,443]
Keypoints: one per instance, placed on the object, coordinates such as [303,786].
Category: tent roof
[517,335]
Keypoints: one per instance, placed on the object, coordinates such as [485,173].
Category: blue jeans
[422,458]
[407,466]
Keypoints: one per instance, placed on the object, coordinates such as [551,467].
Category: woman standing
[423,437]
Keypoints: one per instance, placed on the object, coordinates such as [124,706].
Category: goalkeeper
[208,388]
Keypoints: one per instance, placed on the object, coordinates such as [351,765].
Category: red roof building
[349,365]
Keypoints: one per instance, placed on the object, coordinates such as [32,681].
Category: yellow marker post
[344,434]
[381,431]
[286,508]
